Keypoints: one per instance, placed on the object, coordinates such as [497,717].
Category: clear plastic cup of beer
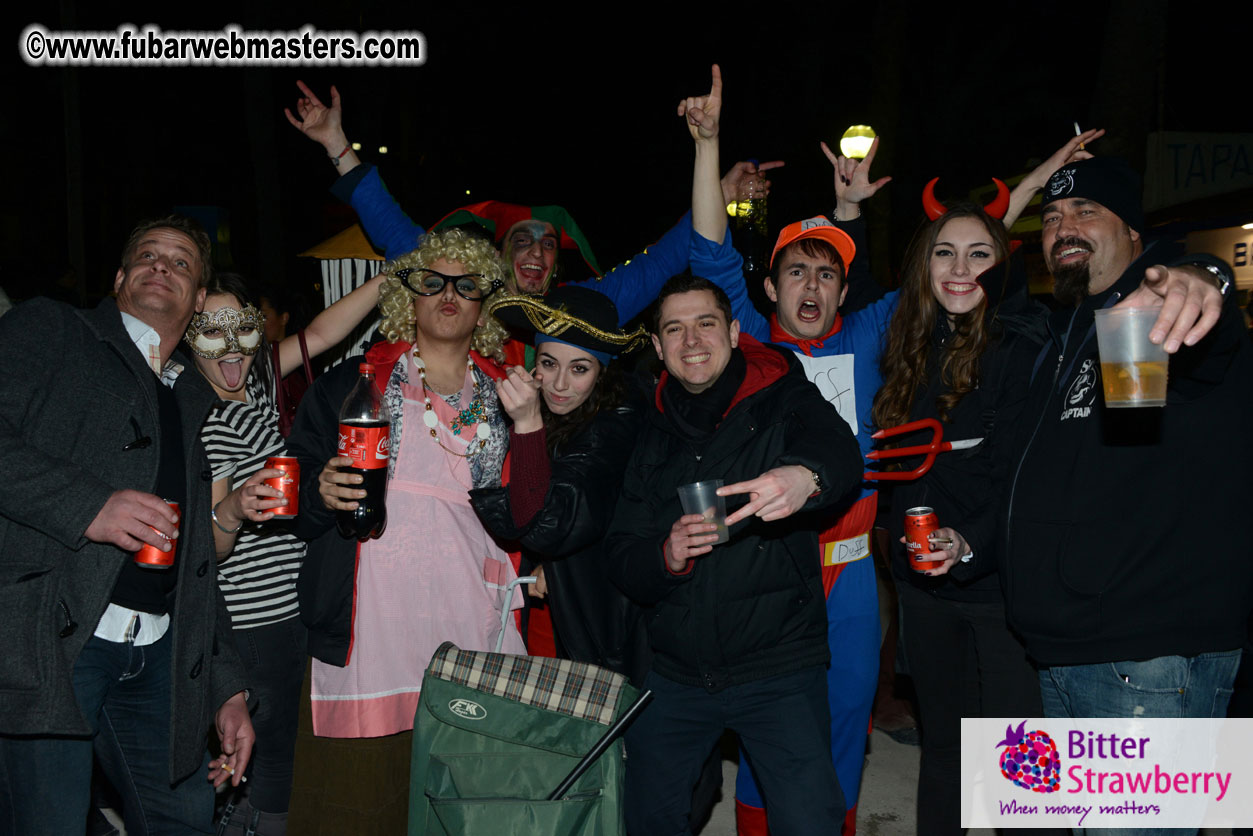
[702,498]
[1133,370]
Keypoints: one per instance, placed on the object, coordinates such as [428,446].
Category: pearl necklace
[474,413]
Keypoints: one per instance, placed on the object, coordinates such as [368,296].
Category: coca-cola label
[368,447]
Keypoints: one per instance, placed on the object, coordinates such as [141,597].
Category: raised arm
[324,126]
[852,181]
[712,255]
[1036,180]
[331,326]
[743,171]
[709,214]
[852,186]
[359,184]
[634,284]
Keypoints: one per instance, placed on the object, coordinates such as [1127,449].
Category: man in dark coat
[738,629]
[102,426]
[1127,572]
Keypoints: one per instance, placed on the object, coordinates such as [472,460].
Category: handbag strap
[280,398]
[304,356]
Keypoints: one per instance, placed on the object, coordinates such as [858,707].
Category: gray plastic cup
[1133,370]
[702,498]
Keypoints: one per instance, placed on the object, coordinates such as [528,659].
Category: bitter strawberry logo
[1030,759]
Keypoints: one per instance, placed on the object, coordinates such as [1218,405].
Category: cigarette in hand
[230,770]
[1077,133]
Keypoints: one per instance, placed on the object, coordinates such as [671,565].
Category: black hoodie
[1126,528]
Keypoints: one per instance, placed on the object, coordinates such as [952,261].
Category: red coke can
[150,557]
[288,483]
[920,525]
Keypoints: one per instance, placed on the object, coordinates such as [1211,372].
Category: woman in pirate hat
[574,426]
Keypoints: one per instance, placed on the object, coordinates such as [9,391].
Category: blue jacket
[632,285]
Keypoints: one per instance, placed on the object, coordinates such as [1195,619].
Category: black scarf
[696,416]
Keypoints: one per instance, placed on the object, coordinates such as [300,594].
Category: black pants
[274,656]
[785,727]
[965,663]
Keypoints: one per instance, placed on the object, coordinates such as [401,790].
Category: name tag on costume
[833,375]
[845,551]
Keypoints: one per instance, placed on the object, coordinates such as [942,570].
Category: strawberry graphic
[1030,759]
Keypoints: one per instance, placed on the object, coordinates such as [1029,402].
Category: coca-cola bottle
[365,432]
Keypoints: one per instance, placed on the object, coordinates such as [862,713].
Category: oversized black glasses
[432,283]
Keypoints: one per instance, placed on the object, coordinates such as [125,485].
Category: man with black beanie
[1127,574]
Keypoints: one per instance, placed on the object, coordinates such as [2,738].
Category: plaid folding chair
[495,735]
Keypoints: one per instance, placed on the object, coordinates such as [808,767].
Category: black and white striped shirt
[258,579]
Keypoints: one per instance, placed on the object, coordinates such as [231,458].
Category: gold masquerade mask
[212,335]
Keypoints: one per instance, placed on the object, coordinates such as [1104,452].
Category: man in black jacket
[738,630]
[1127,572]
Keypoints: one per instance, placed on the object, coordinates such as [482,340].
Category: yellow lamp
[855,144]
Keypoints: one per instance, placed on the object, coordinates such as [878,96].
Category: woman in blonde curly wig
[378,609]
[476,255]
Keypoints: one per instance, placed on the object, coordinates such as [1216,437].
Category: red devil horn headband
[934,208]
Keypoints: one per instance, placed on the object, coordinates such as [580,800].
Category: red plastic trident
[937,445]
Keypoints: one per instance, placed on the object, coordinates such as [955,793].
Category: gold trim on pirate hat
[570,314]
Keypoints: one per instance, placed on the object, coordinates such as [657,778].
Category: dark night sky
[575,108]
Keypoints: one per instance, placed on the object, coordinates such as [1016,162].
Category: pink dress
[434,576]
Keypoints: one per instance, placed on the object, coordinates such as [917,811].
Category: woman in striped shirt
[259,558]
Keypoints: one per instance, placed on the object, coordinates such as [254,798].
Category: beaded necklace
[475,413]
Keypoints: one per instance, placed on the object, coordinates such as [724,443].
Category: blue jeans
[1168,686]
[784,724]
[124,694]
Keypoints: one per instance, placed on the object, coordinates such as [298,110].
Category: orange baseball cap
[817,227]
